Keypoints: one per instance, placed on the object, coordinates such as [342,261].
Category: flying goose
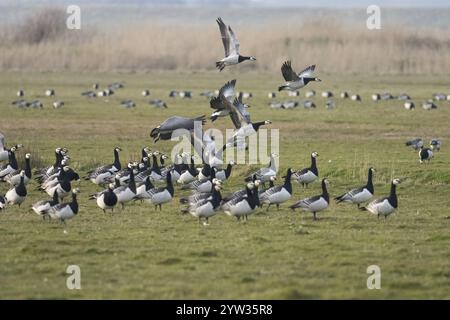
[435,144]
[205,208]
[103,174]
[384,206]
[11,166]
[296,81]
[42,206]
[416,144]
[217,104]
[425,154]
[316,203]
[106,199]
[17,194]
[361,194]
[159,196]
[65,211]
[264,174]
[307,175]
[128,192]
[409,105]
[231,46]
[13,178]
[168,129]
[277,194]
[244,205]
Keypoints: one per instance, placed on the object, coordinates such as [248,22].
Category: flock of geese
[152,180]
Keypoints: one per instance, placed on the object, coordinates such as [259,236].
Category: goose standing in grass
[89,94]
[20,93]
[224,174]
[345,95]
[316,203]
[330,104]
[128,104]
[403,96]
[307,175]
[277,194]
[58,104]
[416,144]
[435,144]
[65,211]
[128,192]
[167,129]
[159,196]
[11,166]
[42,173]
[387,205]
[17,194]
[50,92]
[310,94]
[107,199]
[309,104]
[145,93]
[190,174]
[41,207]
[244,205]
[231,45]
[327,94]
[206,208]
[355,97]
[425,154]
[13,178]
[202,185]
[294,93]
[158,103]
[361,194]
[296,81]
[63,185]
[265,174]
[409,105]
[103,174]
[429,105]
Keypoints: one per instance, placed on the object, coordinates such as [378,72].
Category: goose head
[250,185]
[317,79]
[66,168]
[314,154]
[257,183]
[252,58]
[117,149]
[267,122]
[22,173]
[111,186]
[273,178]
[396,181]
[76,191]
[147,149]
[28,156]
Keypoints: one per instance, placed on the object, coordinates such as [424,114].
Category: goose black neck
[55,199]
[148,184]
[169,186]
[74,204]
[256,125]
[117,160]
[287,182]
[369,185]
[155,166]
[325,193]
[243,58]
[20,189]
[251,198]
[216,198]
[27,168]
[132,184]
[306,80]
[228,170]
[314,166]
[143,154]
[256,196]
[13,160]
[206,170]
[393,195]
[58,159]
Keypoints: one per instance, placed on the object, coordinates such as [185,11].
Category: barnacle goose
[190,174]
[289,105]
[216,103]
[13,178]
[145,93]
[277,194]
[435,144]
[231,46]
[409,105]
[416,144]
[103,174]
[65,211]
[310,94]
[4,152]
[403,96]
[63,185]
[425,154]
[429,105]
[58,104]
[42,206]
[244,205]
[11,166]
[50,92]
[387,205]
[2,202]
[17,194]
[376,97]
[295,81]
[89,94]
[128,192]
[106,199]
[202,185]
[224,174]
[361,194]
[159,196]
[293,93]
[128,104]
[307,175]
[167,129]
[205,208]
[271,95]
[20,93]
[327,94]
[344,95]
[316,203]
[330,104]
[264,174]
[308,104]
[158,103]
[355,97]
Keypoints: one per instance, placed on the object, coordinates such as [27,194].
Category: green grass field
[143,254]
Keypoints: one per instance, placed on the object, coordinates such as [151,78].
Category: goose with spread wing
[295,81]
[216,102]
[169,128]
[231,45]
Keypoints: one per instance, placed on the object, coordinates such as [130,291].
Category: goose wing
[2,142]
[238,113]
[307,72]
[288,73]
[266,194]
[234,45]
[225,36]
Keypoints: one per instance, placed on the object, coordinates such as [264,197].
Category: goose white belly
[239,209]
[102,177]
[266,175]
[12,197]
[295,85]
[382,208]
[64,213]
[140,191]
[230,60]
[15,180]
[101,202]
[40,207]
[186,177]
[175,175]
[282,196]
[206,210]
[245,131]
[361,197]
[317,205]
[161,197]
[3,155]
[61,192]
[307,177]
[205,187]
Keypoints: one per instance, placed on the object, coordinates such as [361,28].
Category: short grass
[143,254]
